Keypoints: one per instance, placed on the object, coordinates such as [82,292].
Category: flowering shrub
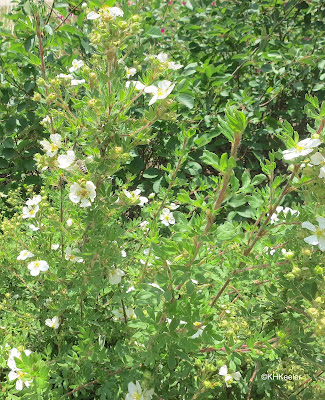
[189,290]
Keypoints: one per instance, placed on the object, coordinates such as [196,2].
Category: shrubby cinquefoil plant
[124,293]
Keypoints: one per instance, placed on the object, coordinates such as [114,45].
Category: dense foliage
[163,219]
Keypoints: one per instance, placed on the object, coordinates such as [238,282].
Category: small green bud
[37,96]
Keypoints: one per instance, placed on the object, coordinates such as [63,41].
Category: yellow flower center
[54,147]
[20,374]
[83,192]
[300,148]
[161,92]
[136,396]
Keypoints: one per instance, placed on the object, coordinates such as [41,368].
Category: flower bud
[37,96]
[319,270]
[306,252]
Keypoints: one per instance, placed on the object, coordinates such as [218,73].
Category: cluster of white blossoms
[229,377]
[35,267]
[32,207]
[301,148]
[110,12]
[318,238]
[76,65]
[16,373]
[136,392]
[274,217]
[53,323]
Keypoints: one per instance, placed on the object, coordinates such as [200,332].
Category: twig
[251,381]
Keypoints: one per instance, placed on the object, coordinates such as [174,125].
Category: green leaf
[70,29]
[211,159]
[154,31]
[3,163]
[9,143]
[224,162]
[11,124]
[186,99]
[151,173]
[29,43]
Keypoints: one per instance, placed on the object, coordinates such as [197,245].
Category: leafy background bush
[251,310]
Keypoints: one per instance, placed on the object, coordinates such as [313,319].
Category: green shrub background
[252,83]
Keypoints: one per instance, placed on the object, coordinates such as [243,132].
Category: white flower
[302,148]
[15,353]
[272,251]
[155,285]
[81,194]
[229,377]
[69,222]
[173,206]
[115,12]
[174,66]
[162,57]
[137,85]
[161,92]
[287,254]
[199,331]
[136,393]
[130,289]
[71,257]
[34,201]
[34,228]
[53,323]
[66,160]
[128,311]
[167,217]
[319,237]
[76,64]
[84,5]
[115,276]
[123,253]
[24,254]
[55,246]
[318,159]
[93,15]
[46,120]
[134,196]
[64,76]
[144,225]
[30,212]
[274,217]
[130,71]
[18,374]
[52,148]
[75,82]
[36,267]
